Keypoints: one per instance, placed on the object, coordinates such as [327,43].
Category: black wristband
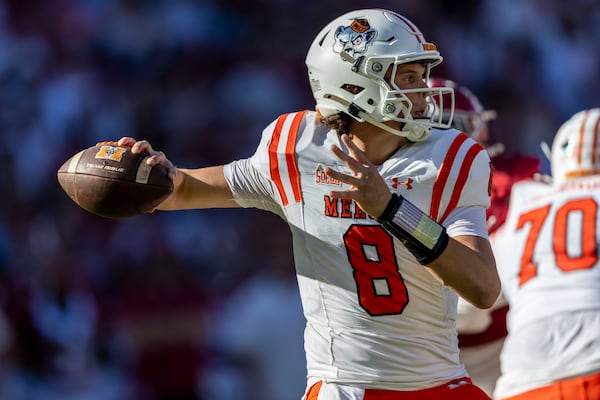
[390,209]
[420,234]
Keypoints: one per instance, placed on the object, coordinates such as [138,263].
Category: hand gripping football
[110,181]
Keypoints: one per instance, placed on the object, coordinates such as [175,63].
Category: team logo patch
[321,178]
[355,38]
[114,153]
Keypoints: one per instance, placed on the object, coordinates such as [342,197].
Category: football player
[547,254]
[386,211]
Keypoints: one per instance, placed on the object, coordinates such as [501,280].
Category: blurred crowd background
[203,304]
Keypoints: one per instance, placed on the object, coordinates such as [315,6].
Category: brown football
[110,181]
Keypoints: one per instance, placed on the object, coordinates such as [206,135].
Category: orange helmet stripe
[595,146]
[582,138]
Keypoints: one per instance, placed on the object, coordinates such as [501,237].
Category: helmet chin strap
[416,132]
[413,131]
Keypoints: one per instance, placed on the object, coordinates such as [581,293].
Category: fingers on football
[157,157]
[143,146]
[126,141]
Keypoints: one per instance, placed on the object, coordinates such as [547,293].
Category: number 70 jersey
[547,251]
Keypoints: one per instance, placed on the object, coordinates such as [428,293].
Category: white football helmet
[576,147]
[347,63]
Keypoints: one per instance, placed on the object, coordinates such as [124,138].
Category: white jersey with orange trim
[548,260]
[375,317]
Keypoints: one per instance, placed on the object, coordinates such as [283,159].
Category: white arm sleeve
[468,221]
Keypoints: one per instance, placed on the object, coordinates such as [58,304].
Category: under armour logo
[408,183]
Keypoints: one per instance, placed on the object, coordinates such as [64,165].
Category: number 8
[381,288]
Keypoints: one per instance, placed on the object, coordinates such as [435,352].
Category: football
[110,181]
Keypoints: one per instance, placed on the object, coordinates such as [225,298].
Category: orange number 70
[588,254]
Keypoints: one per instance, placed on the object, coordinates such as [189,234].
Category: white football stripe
[74,161]
[143,172]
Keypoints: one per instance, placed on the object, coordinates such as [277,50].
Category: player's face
[411,76]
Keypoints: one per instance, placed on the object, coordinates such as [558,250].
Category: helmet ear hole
[352,88]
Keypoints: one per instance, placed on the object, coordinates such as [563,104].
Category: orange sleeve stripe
[443,174]
[273,161]
[463,174]
[290,156]
[284,167]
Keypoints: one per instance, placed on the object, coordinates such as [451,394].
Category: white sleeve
[250,188]
[468,221]
[249,179]
[477,190]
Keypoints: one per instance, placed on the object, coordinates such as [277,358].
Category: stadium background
[103,309]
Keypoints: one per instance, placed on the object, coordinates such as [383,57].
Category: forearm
[464,263]
[467,265]
[199,188]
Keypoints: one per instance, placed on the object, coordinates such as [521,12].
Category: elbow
[487,284]
[485,302]
[487,295]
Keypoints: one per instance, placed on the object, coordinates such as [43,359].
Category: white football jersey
[375,316]
[547,258]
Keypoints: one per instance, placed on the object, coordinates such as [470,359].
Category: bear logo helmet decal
[355,38]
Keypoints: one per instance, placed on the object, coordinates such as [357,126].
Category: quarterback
[386,212]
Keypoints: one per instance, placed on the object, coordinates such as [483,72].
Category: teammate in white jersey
[387,213]
[547,254]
